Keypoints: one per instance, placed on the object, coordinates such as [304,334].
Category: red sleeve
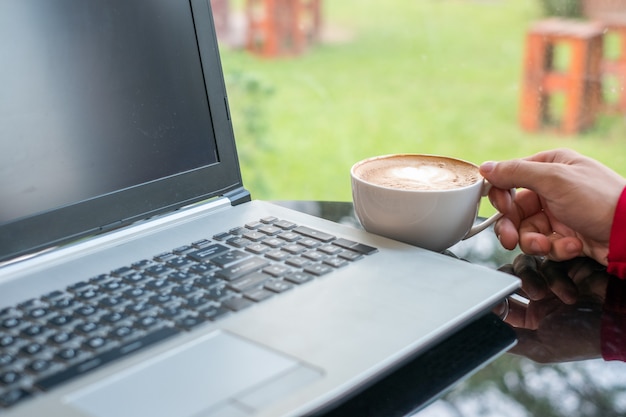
[617,240]
[613,327]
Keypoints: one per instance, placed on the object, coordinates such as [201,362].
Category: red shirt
[613,332]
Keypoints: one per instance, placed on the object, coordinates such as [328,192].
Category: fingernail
[571,247]
[487,167]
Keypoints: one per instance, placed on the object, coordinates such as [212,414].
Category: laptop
[139,278]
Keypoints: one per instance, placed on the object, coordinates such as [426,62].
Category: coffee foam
[418,173]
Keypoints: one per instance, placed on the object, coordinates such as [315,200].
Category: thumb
[517,173]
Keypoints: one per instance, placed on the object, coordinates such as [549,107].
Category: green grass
[431,76]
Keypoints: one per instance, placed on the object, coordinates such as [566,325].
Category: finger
[519,173]
[507,233]
[556,275]
[517,313]
[531,346]
[501,199]
[533,283]
[564,248]
[534,243]
[562,155]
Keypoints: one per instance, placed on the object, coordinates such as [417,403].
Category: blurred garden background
[428,76]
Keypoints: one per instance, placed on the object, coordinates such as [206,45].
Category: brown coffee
[418,172]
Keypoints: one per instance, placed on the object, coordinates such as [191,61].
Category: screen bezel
[68,223]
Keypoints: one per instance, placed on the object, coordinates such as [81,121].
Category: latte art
[418,173]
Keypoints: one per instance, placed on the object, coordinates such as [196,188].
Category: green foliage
[248,96]
[564,8]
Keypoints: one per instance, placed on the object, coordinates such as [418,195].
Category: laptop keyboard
[49,340]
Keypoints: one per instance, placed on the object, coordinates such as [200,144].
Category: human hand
[549,329]
[565,208]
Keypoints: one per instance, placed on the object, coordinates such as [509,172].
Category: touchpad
[219,374]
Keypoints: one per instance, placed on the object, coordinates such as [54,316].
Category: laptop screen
[102,97]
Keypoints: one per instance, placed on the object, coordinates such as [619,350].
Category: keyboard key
[315,255]
[147,322]
[254,225]
[122,332]
[336,262]
[258,248]
[318,269]
[201,244]
[248,282]
[65,303]
[13,396]
[278,255]
[219,293]
[355,246]
[6,359]
[254,236]
[278,286]
[67,354]
[158,270]
[221,236]
[239,242]
[113,317]
[237,303]
[290,236]
[270,230]
[31,349]
[214,312]
[294,249]
[207,252]
[229,258]
[87,328]
[242,268]
[315,234]
[277,271]
[298,262]
[189,322]
[6,340]
[299,277]
[274,242]
[9,378]
[11,322]
[197,302]
[350,255]
[330,249]
[60,338]
[39,365]
[61,320]
[33,330]
[285,225]
[208,282]
[258,294]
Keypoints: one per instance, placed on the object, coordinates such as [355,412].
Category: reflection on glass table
[556,369]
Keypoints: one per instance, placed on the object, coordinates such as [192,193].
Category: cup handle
[489,221]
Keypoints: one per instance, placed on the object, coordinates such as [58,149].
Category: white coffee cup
[428,201]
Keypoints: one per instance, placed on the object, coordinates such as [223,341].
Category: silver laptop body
[116,148]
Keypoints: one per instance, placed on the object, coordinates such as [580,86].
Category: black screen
[97,96]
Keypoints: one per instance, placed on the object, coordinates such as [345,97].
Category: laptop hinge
[238,196]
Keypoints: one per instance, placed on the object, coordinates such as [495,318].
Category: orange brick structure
[282,27]
[615,66]
[580,84]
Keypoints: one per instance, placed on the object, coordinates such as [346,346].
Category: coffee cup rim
[394,155]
